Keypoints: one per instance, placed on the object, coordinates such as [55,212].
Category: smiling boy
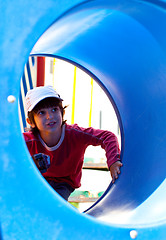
[64,143]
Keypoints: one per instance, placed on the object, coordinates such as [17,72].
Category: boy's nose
[49,115]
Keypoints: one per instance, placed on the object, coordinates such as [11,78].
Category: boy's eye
[40,113]
[54,109]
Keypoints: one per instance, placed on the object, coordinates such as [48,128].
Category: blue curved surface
[122,44]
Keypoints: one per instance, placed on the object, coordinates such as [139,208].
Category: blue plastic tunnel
[122,44]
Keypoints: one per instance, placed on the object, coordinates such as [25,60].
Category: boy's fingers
[118,171]
[115,176]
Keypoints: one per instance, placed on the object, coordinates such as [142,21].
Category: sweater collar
[57,145]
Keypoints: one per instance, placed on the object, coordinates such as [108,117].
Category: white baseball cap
[35,95]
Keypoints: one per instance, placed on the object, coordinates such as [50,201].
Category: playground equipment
[122,44]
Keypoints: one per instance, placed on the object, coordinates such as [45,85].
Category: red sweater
[68,155]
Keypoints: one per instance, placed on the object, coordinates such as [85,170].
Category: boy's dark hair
[45,103]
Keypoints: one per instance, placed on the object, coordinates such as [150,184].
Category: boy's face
[48,120]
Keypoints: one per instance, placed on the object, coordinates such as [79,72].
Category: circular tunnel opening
[87,105]
[125,55]
[82,37]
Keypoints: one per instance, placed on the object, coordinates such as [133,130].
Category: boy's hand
[115,170]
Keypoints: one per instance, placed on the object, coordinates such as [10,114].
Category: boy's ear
[30,123]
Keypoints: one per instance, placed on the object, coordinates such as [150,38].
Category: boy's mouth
[51,124]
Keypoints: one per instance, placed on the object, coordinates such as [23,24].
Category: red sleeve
[106,139]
